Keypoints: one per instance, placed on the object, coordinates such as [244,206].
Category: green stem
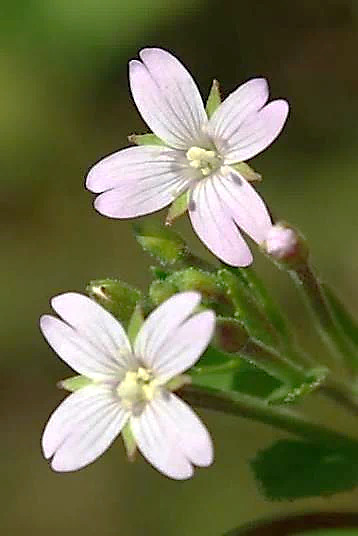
[308,284]
[273,362]
[256,409]
[341,393]
[198,370]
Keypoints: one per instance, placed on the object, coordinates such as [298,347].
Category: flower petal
[185,346]
[171,437]
[167,98]
[244,204]
[195,439]
[256,133]
[236,108]
[139,180]
[82,428]
[214,225]
[94,344]
[162,324]
[79,353]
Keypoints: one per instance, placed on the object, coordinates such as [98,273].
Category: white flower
[197,157]
[128,384]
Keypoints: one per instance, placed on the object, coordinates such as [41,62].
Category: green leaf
[341,315]
[74,383]
[162,243]
[135,323]
[219,370]
[177,208]
[293,469]
[215,370]
[266,303]
[214,99]
[254,381]
[247,172]
[246,310]
[117,297]
[145,139]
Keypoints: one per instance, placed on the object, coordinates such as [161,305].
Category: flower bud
[117,297]
[285,245]
[230,335]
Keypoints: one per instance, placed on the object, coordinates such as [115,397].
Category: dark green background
[64,103]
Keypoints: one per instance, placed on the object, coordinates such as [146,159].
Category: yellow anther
[205,160]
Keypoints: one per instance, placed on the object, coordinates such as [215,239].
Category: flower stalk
[311,290]
[243,405]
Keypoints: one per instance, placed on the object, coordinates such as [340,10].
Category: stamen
[137,388]
[207,161]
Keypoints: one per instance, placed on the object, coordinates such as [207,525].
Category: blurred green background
[65,103]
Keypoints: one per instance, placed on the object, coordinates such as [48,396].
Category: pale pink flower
[197,156]
[129,384]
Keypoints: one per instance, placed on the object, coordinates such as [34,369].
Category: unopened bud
[230,335]
[285,245]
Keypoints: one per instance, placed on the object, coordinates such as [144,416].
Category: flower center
[137,387]
[205,160]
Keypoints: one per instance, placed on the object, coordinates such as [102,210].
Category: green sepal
[145,139]
[129,442]
[135,323]
[247,172]
[178,382]
[162,243]
[161,289]
[74,383]
[290,395]
[117,297]
[159,273]
[177,208]
[294,469]
[207,283]
[214,99]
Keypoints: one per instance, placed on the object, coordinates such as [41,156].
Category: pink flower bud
[285,245]
[281,242]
